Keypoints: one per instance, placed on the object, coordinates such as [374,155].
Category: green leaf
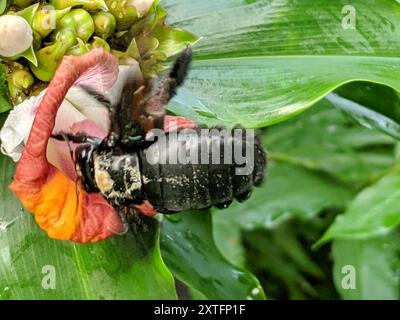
[228,239]
[189,251]
[376,264]
[262,62]
[381,99]
[375,211]
[365,116]
[289,191]
[278,254]
[324,139]
[5,104]
[124,267]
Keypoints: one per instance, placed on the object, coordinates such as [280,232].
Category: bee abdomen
[197,170]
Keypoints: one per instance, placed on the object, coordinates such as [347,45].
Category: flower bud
[105,24]
[79,49]
[16,35]
[23,79]
[91,5]
[100,43]
[142,6]
[46,18]
[49,58]
[80,21]
[128,12]
[22,3]
[19,81]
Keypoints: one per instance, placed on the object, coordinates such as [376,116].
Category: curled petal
[102,75]
[60,205]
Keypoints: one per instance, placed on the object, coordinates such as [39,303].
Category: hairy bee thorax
[118,178]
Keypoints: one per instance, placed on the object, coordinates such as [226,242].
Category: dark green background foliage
[326,102]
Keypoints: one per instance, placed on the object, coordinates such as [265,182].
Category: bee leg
[75,138]
[168,87]
[179,71]
[135,220]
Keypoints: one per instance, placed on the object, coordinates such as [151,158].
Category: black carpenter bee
[121,168]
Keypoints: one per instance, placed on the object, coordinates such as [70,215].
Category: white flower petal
[15,131]
[90,107]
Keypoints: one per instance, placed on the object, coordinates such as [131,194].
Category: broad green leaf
[124,267]
[376,262]
[303,181]
[366,117]
[188,248]
[5,104]
[228,239]
[280,257]
[290,194]
[289,191]
[285,236]
[261,62]
[378,98]
[283,261]
[375,211]
[324,139]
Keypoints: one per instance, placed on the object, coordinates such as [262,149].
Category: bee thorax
[118,178]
